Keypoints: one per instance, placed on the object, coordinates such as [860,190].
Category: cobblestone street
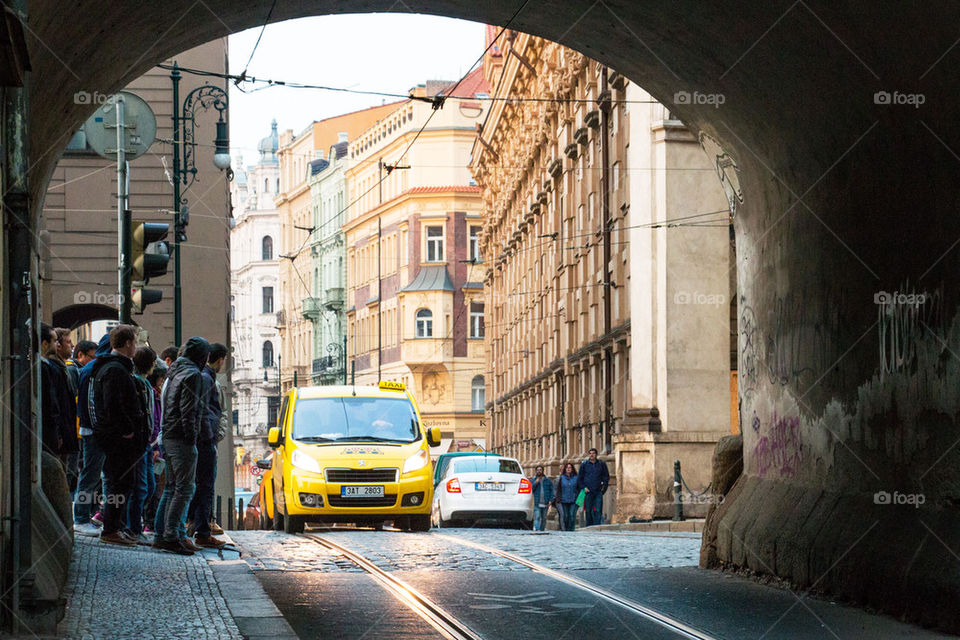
[108,587]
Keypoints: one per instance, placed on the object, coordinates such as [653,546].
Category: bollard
[229,515]
[219,520]
[240,516]
[677,492]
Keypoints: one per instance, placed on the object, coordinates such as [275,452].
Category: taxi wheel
[266,522]
[293,524]
[277,516]
[419,523]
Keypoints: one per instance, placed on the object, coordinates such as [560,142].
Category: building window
[268,300]
[267,354]
[475,244]
[266,250]
[434,244]
[478,393]
[476,319]
[273,406]
[424,323]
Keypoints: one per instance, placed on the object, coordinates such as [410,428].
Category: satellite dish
[139,120]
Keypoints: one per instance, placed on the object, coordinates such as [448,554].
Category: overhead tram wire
[243,74]
[236,79]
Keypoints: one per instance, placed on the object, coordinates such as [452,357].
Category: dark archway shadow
[76,315]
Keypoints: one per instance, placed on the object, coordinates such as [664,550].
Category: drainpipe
[603,101]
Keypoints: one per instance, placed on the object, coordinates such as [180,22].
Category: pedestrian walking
[201,509]
[593,479]
[87,519]
[183,413]
[119,428]
[542,497]
[143,362]
[567,491]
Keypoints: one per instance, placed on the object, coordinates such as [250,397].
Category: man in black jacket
[201,509]
[120,428]
[53,387]
[184,405]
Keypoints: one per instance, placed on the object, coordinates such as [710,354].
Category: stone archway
[848,392]
[75,315]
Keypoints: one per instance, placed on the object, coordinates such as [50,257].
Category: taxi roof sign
[389,385]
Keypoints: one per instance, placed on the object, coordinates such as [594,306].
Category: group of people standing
[569,491]
[137,436]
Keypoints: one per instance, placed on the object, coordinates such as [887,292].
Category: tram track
[672,624]
[451,627]
[446,624]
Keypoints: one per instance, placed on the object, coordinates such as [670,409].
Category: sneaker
[148,529]
[117,537]
[97,520]
[174,546]
[209,542]
[86,529]
[189,544]
[215,529]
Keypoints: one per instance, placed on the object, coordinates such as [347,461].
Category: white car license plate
[362,492]
[489,486]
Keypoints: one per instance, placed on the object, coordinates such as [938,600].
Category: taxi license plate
[362,492]
[489,486]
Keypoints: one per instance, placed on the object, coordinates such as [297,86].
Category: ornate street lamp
[185,169]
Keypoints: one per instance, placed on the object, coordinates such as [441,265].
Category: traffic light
[141,297]
[148,264]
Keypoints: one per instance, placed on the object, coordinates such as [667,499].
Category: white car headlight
[305,461]
[416,462]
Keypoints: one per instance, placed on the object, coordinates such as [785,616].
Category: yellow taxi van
[356,454]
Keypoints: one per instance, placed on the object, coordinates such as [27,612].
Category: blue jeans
[593,507]
[540,518]
[181,472]
[568,516]
[201,509]
[89,481]
[143,487]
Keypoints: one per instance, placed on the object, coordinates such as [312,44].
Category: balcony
[327,366]
[333,298]
[311,308]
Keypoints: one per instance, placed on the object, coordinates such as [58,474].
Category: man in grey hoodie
[184,404]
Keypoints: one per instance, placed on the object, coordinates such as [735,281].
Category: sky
[379,52]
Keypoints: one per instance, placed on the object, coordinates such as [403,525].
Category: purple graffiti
[781,451]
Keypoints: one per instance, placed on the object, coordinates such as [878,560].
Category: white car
[483,487]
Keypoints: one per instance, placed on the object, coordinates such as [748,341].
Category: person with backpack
[87,518]
[143,363]
[119,428]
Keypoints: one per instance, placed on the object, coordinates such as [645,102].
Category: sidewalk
[139,593]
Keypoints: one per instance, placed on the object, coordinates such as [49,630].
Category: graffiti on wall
[781,450]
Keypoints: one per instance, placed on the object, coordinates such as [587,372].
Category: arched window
[477,393]
[267,248]
[424,323]
[267,354]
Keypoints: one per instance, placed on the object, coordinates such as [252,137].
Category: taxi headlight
[416,462]
[305,461]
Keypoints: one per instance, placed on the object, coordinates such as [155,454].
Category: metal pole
[607,302]
[240,516]
[379,298]
[123,230]
[677,492]
[219,506]
[344,358]
[177,302]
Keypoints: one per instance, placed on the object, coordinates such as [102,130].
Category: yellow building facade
[415,301]
[295,208]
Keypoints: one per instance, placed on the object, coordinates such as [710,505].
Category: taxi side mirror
[273,437]
[433,436]
[265,464]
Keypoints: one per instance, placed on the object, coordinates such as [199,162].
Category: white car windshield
[355,419]
[483,464]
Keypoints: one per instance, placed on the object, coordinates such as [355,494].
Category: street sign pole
[123,230]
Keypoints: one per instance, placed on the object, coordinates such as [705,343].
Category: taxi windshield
[355,419]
